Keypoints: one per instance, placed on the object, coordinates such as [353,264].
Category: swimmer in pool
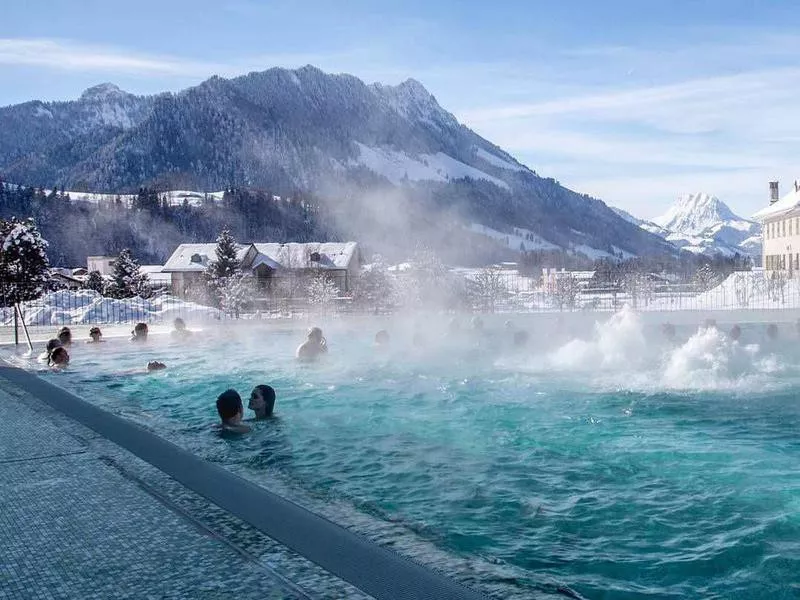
[139,333]
[314,346]
[229,408]
[155,365]
[51,345]
[520,338]
[65,337]
[180,332]
[736,333]
[95,336]
[668,331]
[59,358]
[262,401]
[382,339]
[772,332]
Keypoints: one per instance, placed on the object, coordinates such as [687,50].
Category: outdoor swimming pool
[608,460]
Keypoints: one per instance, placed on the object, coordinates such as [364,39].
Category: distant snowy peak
[703,224]
[692,214]
[103,91]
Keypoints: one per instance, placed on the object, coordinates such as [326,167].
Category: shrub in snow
[24,268]
[94,282]
[127,280]
[235,292]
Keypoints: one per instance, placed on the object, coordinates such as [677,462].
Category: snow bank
[83,307]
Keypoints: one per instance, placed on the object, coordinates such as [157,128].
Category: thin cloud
[66,55]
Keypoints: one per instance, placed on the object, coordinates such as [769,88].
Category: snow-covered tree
[24,268]
[127,280]
[488,288]
[94,282]
[224,267]
[373,289]
[321,290]
[706,278]
[226,264]
[565,292]
[235,292]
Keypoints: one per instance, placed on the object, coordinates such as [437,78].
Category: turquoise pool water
[606,460]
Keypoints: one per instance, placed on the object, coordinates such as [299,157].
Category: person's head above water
[140,331]
[772,331]
[65,336]
[668,331]
[53,344]
[95,334]
[315,335]
[382,338]
[179,324]
[59,357]
[155,365]
[736,333]
[520,338]
[229,406]
[262,401]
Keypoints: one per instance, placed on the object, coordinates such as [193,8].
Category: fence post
[16,326]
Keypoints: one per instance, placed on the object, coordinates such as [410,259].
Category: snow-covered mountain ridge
[703,224]
[352,145]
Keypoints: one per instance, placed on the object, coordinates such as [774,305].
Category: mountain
[390,163]
[703,224]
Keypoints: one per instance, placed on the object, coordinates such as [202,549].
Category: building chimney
[773,192]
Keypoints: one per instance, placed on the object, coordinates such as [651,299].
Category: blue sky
[635,102]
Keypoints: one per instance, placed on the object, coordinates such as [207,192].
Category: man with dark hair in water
[262,401]
[229,407]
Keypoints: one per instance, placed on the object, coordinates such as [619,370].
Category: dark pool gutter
[371,568]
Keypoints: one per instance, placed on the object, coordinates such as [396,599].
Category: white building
[102,264]
[781,230]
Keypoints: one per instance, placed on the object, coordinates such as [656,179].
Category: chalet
[269,263]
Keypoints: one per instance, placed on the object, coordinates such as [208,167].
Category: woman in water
[314,346]
[95,336]
[139,333]
[262,401]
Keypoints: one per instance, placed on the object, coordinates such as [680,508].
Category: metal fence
[475,291]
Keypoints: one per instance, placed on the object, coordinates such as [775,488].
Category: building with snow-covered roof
[781,230]
[269,263]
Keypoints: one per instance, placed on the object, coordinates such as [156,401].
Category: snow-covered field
[88,307]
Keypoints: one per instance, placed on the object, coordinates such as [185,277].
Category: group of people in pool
[56,353]
[735,332]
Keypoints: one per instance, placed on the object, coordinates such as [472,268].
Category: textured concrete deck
[82,518]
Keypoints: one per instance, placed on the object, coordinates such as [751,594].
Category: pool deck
[82,518]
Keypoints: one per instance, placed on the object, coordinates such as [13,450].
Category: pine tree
[24,268]
[126,281]
[226,264]
[94,282]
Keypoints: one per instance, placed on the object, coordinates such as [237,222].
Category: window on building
[790,228]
